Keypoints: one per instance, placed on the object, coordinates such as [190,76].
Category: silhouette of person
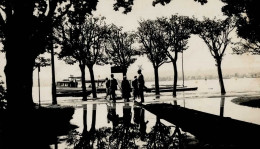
[71,84]
[107,88]
[135,87]
[113,87]
[76,83]
[140,80]
[126,88]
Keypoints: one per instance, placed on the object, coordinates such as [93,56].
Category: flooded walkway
[103,124]
[121,125]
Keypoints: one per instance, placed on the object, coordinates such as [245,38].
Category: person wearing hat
[135,87]
[140,80]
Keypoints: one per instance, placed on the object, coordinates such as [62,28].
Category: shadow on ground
[37,128]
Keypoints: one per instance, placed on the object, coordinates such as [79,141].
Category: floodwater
[121,125]
[127,125]
[222,106]
[103,124]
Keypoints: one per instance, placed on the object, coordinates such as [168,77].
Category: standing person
[113,87]
[135,87]
[107,88]
[141,84]
[126,88]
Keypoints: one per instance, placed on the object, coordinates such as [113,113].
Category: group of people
[137,86]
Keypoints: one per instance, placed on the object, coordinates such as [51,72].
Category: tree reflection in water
[87,139]
[160,137]
[125,134]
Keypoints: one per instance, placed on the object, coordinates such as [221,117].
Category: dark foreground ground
[35,129]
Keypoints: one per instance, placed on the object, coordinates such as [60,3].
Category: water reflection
[111,114]
[88,137]
[222,104]
[139,119]
[161,137]
[128,130]
[125,134]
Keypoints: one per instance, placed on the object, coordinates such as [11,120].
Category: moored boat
[73,87]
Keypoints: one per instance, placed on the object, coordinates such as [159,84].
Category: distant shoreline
[248,101]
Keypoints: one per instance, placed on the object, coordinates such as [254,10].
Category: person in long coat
[113,87]
[140,80]
[107,88]
[135,87]
[126,89]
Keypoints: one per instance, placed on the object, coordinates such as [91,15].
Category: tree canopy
[120,49]
[82,41]
[216,35]
[177,31]
[151,36]
[248,24]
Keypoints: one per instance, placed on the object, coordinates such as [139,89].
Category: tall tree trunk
[124,71]
[19,82]
[83,82]
[221,82]
[175,78]
[156,80]
[19,60]
[93,83]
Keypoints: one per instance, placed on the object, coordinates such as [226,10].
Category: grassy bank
[248,101]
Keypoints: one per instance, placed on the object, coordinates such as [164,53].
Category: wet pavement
[121,125]
[104,124]
[213,104]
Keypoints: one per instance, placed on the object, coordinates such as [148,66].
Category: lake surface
[233,86]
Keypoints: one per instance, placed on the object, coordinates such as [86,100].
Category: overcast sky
[197,59]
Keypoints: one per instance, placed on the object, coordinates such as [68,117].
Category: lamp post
[182,71]
[39,85]
[54,99]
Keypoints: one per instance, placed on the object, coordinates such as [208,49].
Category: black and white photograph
[129,74]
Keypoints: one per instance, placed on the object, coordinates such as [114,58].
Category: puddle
[122,125]
[127,125]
